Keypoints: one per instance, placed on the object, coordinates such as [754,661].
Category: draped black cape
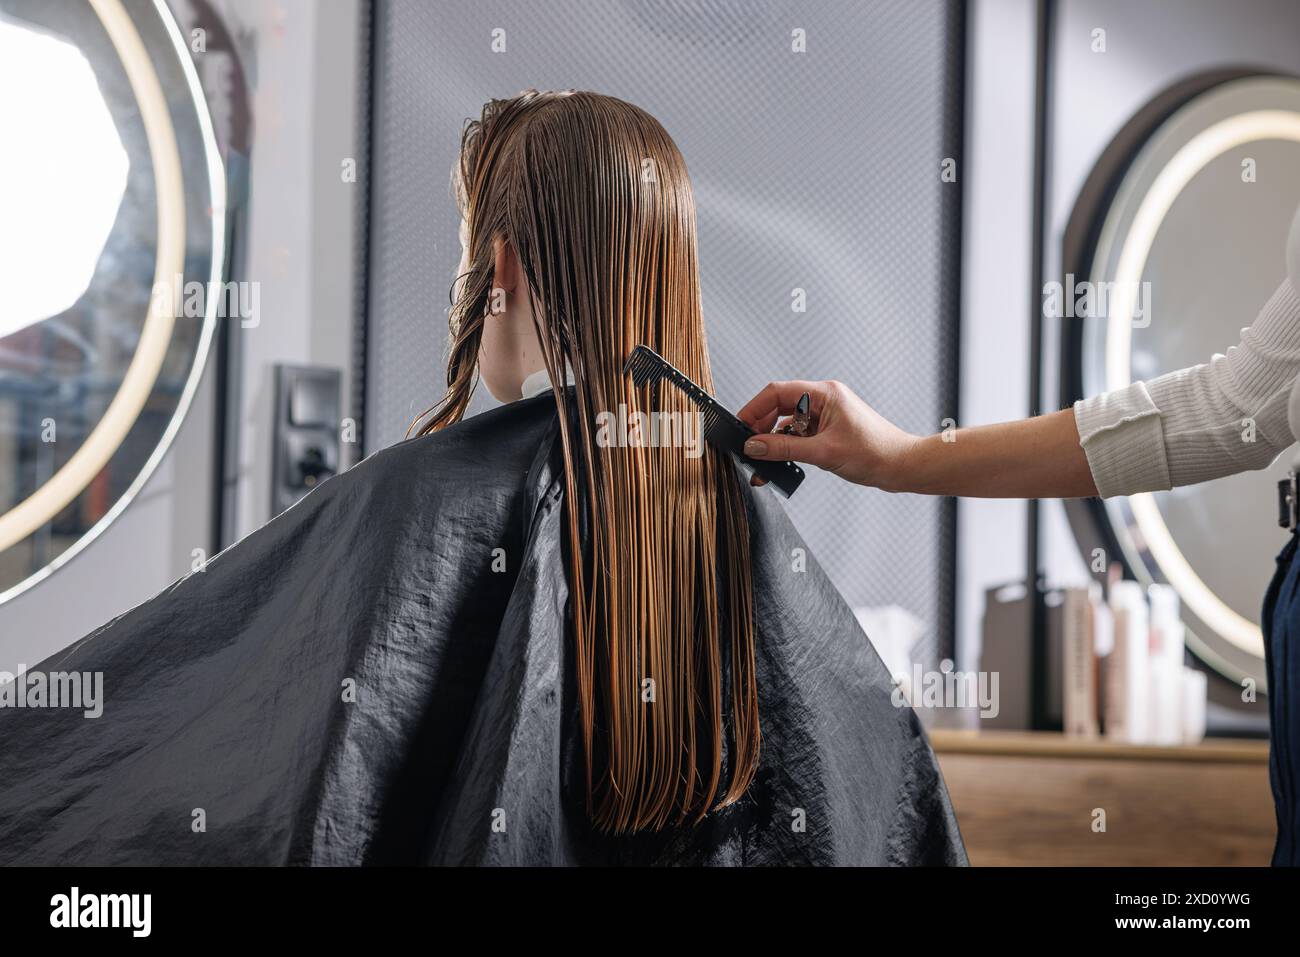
[380,675]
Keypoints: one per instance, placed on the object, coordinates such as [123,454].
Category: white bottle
[1194,689]
[1127,673]
[1166,718]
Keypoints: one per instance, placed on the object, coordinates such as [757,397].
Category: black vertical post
[361,312]
[951,272]
[1033,571]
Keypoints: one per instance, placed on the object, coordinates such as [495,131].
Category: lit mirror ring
[109,432]
[1178,181]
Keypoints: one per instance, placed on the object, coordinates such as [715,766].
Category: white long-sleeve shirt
[1191,425]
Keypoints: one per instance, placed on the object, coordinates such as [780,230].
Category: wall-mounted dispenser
[306,434]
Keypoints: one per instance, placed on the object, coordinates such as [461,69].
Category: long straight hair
[594,198]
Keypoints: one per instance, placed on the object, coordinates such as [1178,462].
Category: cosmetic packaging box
[1080,679]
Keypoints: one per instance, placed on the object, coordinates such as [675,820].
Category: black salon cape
[356,683]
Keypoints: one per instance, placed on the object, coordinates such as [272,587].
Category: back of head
[594,198]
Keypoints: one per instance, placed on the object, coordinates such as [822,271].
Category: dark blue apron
[1281,625]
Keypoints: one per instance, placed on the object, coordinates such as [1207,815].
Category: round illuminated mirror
[114,211]
[1191,231]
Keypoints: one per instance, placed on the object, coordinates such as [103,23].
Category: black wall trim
[361,310]
[235,139]
[951,276]
[1038,237]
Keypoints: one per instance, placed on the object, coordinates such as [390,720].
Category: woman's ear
[506,267]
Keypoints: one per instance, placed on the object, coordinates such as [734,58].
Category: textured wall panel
[817,170]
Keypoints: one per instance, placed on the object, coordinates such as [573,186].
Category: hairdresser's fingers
[780,398]
[777,399]
[813,422]
[852,439]
[757,480]
[775,447]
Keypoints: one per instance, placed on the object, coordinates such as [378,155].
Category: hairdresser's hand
[845,435]
[1032,458]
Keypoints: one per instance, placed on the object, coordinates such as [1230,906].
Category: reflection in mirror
[80,254]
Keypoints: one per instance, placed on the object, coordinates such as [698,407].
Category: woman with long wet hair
[507,640]
[580,236]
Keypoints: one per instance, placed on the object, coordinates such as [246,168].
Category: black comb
[721,428]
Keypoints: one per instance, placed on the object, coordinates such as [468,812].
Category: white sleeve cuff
[1122,435]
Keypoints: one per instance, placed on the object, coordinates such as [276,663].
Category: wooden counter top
[1052,744]
[1038,798]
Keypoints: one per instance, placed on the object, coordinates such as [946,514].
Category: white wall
[996,311]
[301,223]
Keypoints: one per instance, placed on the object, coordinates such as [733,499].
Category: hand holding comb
[722,429]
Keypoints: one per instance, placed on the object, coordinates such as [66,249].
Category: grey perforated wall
[817,170]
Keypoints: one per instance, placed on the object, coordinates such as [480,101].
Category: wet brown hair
[594,197]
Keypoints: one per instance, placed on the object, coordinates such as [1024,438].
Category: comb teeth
[645,365]
[714,429]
